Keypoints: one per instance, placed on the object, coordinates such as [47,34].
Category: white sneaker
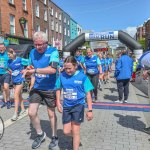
[125,101]
[118,101]
[14,117]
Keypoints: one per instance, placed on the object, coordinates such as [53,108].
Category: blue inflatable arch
[123,37]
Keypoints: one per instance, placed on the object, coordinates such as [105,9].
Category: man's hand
[145,75]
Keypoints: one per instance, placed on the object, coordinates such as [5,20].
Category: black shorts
[18,83]
[5,78]
[39,96]
[73,114]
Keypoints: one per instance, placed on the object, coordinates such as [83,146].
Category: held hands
[89,115]
[28,71]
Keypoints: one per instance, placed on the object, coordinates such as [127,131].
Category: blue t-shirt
[44,81]
[74,88]
[80,60]
[3,62]
[17,66]
[92,64]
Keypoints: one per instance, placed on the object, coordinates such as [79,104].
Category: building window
[12,24]
[26,29]
[68,22]
[46,31]
[56,14]
[52,24]
[44,2]
[65,20]
[52,11]
[68,33]
[64,31]
[56,26]
[37,10]
[59,16]
[37,27]
[24,3]
[45,15]
[60,28]
[11,1]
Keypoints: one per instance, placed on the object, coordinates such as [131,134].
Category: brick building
[40,16]
[147,33]
[55,28]
[16,20]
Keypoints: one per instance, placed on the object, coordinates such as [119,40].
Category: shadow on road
[132,122]
[110,97]
[112,90]
[65,142]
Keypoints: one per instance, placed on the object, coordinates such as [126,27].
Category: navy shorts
[5,78]
[73,114]
[46,97]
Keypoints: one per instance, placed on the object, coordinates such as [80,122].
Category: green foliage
[142,41]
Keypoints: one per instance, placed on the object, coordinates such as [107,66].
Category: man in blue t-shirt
[4,76]
[44,60]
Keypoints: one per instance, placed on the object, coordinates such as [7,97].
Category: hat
[1,40]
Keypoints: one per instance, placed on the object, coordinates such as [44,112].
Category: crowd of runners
[78,77]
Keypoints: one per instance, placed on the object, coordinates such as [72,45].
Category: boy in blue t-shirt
[76,87]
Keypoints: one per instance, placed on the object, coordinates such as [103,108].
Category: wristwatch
[90,110]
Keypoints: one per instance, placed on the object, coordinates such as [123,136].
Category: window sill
[12,5]
[25,11]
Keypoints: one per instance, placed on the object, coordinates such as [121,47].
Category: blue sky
[106,15]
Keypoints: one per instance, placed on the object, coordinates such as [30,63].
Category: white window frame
[56,25]
[52,24]
[12,24]
[64,19]
[37,27]
[11,1]
[52,11]
[56,14]
[60,28]
[59,16]
[64,31]
[26,29]
[37,10]
[44,1]
[45,15]
[24,3]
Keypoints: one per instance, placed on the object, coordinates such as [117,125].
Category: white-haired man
[44,59]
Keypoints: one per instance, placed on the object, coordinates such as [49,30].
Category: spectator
[123,73]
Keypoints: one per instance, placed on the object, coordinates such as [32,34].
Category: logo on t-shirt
[77,82]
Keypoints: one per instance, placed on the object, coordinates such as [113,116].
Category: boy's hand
[59,107]
[89,115]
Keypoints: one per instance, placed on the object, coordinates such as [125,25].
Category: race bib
[91,71]
[70,94]
[1,65]
[40,75]
[15,72]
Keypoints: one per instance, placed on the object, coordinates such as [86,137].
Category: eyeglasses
[39,45]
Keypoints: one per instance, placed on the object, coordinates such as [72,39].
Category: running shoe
[53,143]
[38,140]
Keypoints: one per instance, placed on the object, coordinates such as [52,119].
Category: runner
[45,61]
[16,64]
[80,60]
[93,68]
[76,86]
[5,76]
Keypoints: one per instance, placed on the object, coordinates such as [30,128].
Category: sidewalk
[109,130]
